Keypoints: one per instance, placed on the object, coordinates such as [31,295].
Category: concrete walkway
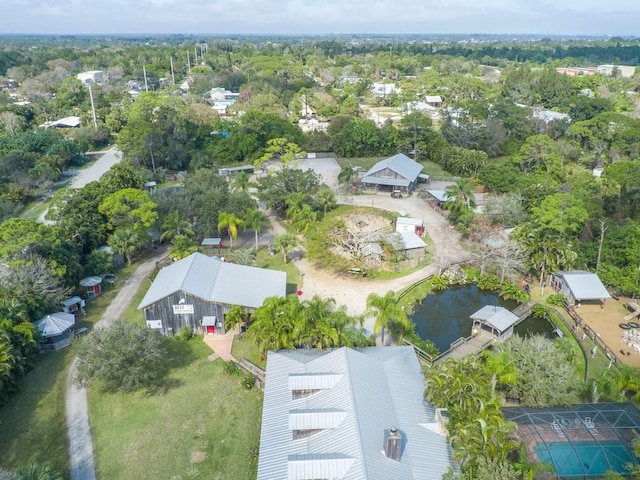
[221,345]
[76,404]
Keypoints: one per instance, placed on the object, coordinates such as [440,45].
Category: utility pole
[93,108]
[146,84]
[188,62]
[173,78]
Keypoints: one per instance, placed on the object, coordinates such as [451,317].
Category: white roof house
[66,122]
[328,415]
[495,318]
[92,76]
[384,89]
[408,224]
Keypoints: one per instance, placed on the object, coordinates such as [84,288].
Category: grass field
[204,426]
[32,424]
[275,262]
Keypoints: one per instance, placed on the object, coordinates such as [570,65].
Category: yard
[203,426]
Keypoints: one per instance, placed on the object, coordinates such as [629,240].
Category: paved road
[90,174]
[78,429]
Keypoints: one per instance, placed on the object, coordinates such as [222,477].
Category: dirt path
[353,292]
[78,428]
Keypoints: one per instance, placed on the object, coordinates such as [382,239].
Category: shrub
[231,368]
[557,300]
[186,333]
[248,381]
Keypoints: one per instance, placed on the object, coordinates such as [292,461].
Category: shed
[408,224]
[579,286]
[214,242]
[497,320]
[73,304]
[56,330]
[92,286]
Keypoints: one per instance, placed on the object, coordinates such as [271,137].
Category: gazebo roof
[497,317]
[55,324]
[90,281]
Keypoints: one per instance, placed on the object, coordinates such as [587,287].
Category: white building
[92,76]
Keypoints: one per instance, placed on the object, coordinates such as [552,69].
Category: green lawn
[32,424]
[275,262]
[204,426]
[245,348]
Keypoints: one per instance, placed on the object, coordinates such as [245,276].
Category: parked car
[396,194]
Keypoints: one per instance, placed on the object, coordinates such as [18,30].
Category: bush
[248,381]
[186,333]
[557,300]
[231,368]
[124,357]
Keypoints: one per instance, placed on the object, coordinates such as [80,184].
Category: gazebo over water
[497,320]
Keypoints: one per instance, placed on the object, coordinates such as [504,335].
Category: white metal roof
[376,388]
[400,164]
[418,222]
[498,317]
[584,285]
[212,279]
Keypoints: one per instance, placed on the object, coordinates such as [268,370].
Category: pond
[443,317]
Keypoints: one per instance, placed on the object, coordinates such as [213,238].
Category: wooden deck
[470,345]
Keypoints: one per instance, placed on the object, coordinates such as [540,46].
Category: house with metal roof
[348,414]
[579,286]
[398,172]
[197,292]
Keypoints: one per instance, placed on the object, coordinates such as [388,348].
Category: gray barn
[197,292]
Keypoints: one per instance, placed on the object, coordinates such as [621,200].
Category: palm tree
[255,220]
[386,311]
[459,197]
[346,173]
[285,243]
[273,323]
[126,241]
[326,199]
[173,225]
[36,471]
[304,218]
[182,247]
[244,256]
[234,316]
[295,202]
[232,222]
[242,182]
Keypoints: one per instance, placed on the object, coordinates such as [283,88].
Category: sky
[561,17]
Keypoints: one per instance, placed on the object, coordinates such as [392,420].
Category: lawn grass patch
[244,347]
[204,426]
[275,262]
[33,423]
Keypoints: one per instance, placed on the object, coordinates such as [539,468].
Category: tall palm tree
[273,323]
[346,173]
[295,202]
[326,199]
[126,241]
[232,222]
[386,311]
[242,182]
[304,218]
[285,243]
[255,220]
[173,225]
[182,247]
[459,196]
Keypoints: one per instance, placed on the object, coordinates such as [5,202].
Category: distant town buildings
[93,76]
[623,71]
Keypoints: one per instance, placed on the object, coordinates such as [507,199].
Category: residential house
[93,76]
[383,90]
[66,122]
[349,414]
[408,224]
[623,71]
[433,100]
[198,291]
[398,173]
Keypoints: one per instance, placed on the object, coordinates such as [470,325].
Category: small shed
[117,258]
[56,330]
[92,286]
[73,304]
[408,224]
[579,286]
[497,320]
[212,242]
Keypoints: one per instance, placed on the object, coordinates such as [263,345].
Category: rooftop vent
[393,444]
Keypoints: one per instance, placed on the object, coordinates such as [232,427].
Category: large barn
[198,291]
[398,172]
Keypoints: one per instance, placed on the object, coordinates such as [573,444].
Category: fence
[254,370]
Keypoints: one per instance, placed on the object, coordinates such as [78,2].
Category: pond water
[443,317]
